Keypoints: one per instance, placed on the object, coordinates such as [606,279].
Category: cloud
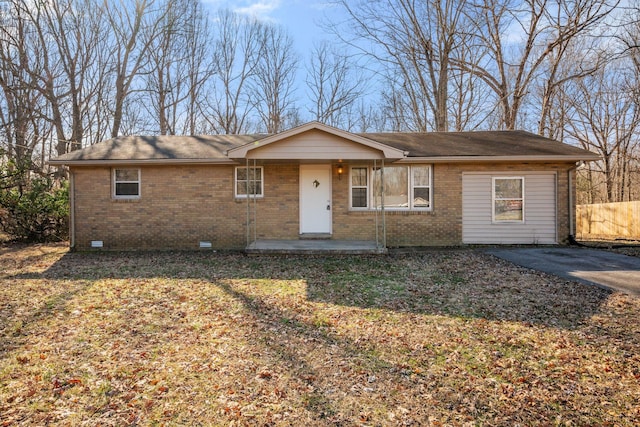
[260,9]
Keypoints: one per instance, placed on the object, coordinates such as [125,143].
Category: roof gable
[316,141]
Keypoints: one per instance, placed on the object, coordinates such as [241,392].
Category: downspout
[72,212]
[555,210]
[572,237]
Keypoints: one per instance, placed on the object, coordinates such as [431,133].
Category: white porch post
[379,211]
[251,182]
[375,203]
[384,224]
[255,203]
[248,206]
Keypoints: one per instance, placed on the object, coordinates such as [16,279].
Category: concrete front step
[314,247]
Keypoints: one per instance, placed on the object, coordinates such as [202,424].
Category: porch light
[340,171]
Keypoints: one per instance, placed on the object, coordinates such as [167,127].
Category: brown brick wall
[181,205]
[440,227]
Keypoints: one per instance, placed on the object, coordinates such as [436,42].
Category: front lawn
[451,337]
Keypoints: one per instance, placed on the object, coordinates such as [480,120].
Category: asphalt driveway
[592,266]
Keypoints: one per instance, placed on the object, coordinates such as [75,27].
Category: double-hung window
[421,187]
[508,199]
[359,187]
[398,187]
[126,183]
[249,181]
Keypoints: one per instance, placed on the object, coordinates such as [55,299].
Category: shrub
[34,208]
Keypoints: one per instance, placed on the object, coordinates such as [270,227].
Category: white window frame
[115,194]
[410,189]
[494,199]
[413,186]
[235,183]
[366,186]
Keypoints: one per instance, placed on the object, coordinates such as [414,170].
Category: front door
[315,199]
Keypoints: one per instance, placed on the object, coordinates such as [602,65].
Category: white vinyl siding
[315,144]
[539,224]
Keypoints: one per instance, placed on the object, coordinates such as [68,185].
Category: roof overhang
[132,162]
[258,149]
[500,159]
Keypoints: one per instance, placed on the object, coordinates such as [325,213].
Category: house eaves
[501,159]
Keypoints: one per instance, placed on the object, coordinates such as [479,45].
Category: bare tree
[415,42]
[236,53]
[134,26]
[179,66]
[606,120]
[199,64]
[273,84]
[23,110]
[334,84]
[548,27]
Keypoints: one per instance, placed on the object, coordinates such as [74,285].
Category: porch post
[255,203]
[248,206]
[251,182]
[384,223]
[375,202]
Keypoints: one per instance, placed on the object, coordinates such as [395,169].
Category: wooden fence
[608,220]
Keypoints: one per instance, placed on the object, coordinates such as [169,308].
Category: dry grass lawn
[450,337]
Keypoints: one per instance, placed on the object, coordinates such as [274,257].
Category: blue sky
[300,17]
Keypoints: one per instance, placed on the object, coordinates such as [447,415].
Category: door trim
[325,168]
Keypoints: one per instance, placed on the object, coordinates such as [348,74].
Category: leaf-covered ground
[443,337]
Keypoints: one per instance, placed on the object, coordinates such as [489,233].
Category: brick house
[316,181]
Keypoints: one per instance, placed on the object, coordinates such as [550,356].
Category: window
[396,187]
[405,187]
[508,199]
[251,179]
[359,187]
[126,183]
[421,186]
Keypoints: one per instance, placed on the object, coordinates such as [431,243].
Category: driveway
[591,266]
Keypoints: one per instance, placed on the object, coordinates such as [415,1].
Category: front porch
[314,247]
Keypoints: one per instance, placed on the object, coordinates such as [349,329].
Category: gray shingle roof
[167,147]
[213,148]
[480,143]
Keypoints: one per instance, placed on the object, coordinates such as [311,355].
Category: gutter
[134,162]
[510,159]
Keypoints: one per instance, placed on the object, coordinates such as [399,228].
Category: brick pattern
[182,205]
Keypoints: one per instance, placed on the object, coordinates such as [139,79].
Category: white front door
[315,199]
